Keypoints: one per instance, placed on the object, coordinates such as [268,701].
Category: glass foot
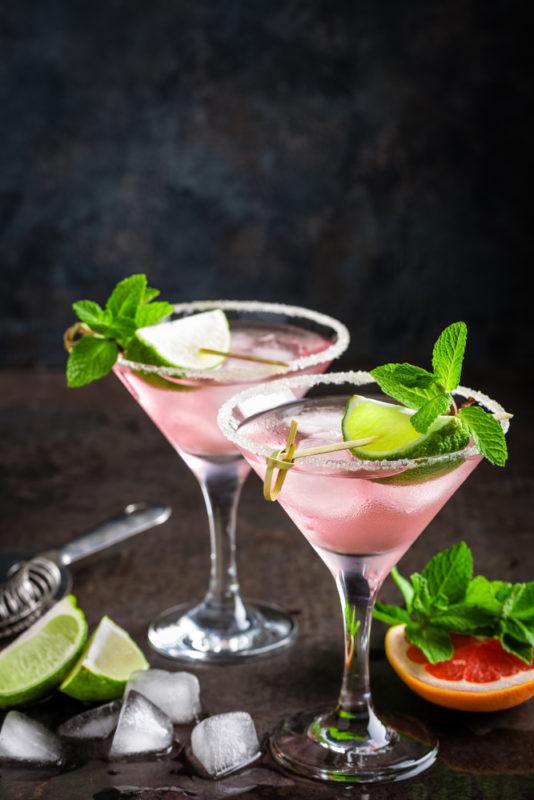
[317,747]
[205,634]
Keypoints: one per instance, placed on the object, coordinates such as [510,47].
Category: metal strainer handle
[135,518]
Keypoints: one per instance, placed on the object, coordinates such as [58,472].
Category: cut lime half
[394,435]
[179,343]
[39,659]
[105,665]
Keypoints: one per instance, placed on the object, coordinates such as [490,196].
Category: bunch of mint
[445,598]
[109,330]
[431,393]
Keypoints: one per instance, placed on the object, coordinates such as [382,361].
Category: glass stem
[357,600]
[350,743]
[221,484]
[353,726]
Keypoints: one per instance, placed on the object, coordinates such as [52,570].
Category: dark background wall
[365,158]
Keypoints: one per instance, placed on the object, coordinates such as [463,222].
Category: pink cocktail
[183,403]
[185,411]
[350,507]
[360,517]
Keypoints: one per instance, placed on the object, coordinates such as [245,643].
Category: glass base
[203,633]
[315,748]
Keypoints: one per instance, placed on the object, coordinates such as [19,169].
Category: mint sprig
[431,393]
[352,622]
[445,598]
[109,330]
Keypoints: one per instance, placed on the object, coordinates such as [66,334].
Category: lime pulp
[103,669]
[36,662]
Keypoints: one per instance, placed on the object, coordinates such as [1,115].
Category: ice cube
[97,723]
[176,693]
[142,728]
[23,739]
[225,742]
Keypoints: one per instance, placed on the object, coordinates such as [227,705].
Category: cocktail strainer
[32,586]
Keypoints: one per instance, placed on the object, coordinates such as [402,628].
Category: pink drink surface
[185,411]
[365,512]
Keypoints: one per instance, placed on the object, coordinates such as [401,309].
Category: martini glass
[183,403]
[360,517]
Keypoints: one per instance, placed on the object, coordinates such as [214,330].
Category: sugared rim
[249,372]
[229,424]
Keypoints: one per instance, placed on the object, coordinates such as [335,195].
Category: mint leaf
[127,295]
[518,630]
[448,573]
[463,618]
[411,386]
[151,314]
[486,595]
[520,602]
[93,316]
[501,590]
[391,615]
[430,411]
[448,355]
[435,643]
[406,588]
[516,648]
[487,433]
[150,294]
[422,599]
[91,358]
[122,330]
[352,623]
[89,312]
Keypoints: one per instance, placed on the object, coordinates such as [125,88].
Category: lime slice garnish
[178,343]
[394,435]
[39,659]
[105,665]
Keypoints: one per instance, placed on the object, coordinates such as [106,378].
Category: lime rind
[427,470]
[166,384]
[178,343]
[143,353]
[105,665]
[395,436]
[38,660]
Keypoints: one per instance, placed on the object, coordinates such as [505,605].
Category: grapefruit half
[480,676]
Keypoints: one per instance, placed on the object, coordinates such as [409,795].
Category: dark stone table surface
[72,458]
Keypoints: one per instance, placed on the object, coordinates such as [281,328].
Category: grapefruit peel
[463,695]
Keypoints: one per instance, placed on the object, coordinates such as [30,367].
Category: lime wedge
[103,669]
[395,436]
[39,659]
[178,343]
